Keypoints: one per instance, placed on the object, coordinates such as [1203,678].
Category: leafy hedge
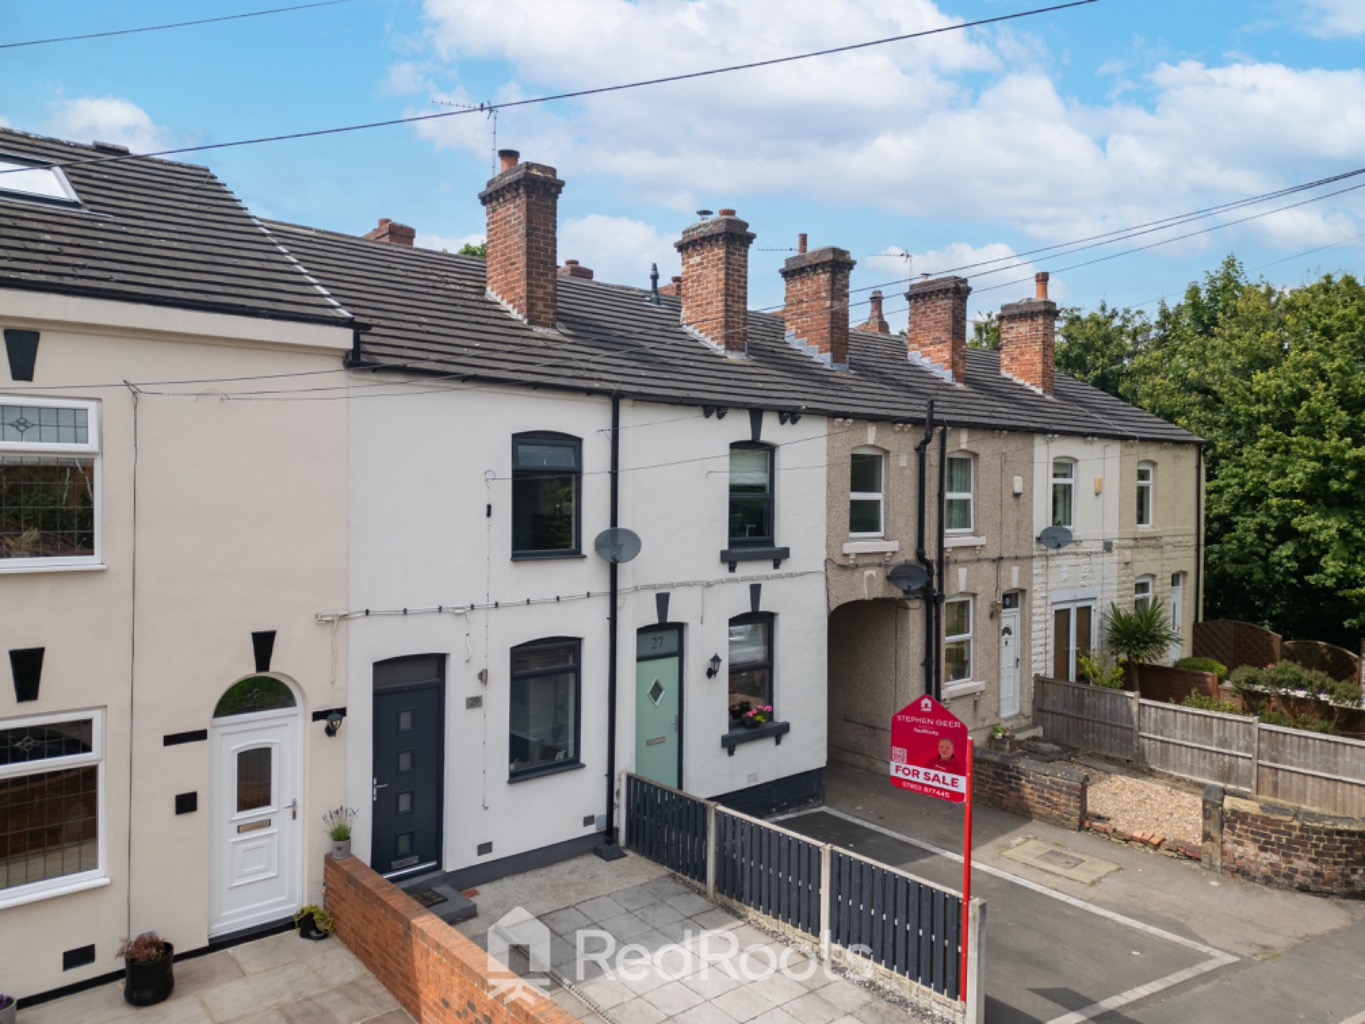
[1204,665]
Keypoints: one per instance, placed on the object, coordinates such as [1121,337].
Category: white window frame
[92,448]
[1144,591]
[966,637]
[81,880]
[967,496]
[878,496]
[1149,487]
[1069,481]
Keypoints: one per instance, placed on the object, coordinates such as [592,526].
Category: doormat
[427,897]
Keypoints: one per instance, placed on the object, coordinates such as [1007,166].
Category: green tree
[985,333]
[1098,347]
[480,250]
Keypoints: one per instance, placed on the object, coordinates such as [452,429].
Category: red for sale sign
[929,750]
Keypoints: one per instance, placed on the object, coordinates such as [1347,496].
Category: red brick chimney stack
[1028,335]
[715,279]
[522,203]
[392,232]
[572,268]
[817,299]
[673,288]
[938,323]
[875,321]
[800,243]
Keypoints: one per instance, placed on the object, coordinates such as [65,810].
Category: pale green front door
[658,704]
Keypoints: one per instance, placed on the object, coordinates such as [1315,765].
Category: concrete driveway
[1082,929]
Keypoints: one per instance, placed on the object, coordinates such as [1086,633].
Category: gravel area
[1141,805]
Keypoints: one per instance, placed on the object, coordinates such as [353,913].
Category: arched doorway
[255,873]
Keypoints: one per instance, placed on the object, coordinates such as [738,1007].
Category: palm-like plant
[1142,634]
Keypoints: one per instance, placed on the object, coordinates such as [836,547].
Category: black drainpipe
[609,850]
[922,555]
[942,545]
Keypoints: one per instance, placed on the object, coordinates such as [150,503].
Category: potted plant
[338,823]
[314,922]
[7,1008]
[756,716]
[147,975]
[1001,738]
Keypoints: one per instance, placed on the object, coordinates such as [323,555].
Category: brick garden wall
[1166,684]
[437,974]
[1030,788]
[1293,847]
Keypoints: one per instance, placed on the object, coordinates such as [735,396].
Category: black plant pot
[148,983]
[308,929]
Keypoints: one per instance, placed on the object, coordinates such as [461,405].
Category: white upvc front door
[1009,663]
[255,864]
[1177,616]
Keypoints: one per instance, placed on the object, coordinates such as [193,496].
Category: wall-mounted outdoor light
[714,668]
[333,723]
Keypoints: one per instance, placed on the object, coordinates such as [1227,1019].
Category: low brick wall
[1284,845]
[1032,789]
[437,974]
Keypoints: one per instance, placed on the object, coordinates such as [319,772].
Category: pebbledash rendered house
[458,543]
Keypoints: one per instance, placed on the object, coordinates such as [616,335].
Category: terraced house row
[293,520]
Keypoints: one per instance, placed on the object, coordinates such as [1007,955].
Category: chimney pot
[875,320]
[1040,284]
[816,309]
[801,243]
[508,158]
[726,213]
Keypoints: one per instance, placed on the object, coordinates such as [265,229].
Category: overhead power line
[174,24]
[577,93]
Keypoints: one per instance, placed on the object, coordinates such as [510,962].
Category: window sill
[735,737]
[27,565]
[964,540]
[966,688]
[733,556]
[554,768]
[871,547]
[46,894]
[541,556]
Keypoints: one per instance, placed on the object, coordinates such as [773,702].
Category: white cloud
[961,126]
[107,119]
[447,242]
[619,250]
[1328,18]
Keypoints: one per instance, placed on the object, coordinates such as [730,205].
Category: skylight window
[38,182]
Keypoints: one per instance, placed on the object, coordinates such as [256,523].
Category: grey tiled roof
[427,312]
[149,231]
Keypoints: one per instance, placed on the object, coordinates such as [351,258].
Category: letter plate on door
[655,741]
[253,826]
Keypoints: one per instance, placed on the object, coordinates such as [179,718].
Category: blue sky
[957,148]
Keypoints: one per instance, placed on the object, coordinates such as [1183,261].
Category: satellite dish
[617,544]
[1055,537]
[908,577]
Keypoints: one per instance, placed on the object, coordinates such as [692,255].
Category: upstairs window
[865,518]
[35,182]
[546,472]
[1145,473]
[49,494]
[957,498]
[751,495]
[1063,491]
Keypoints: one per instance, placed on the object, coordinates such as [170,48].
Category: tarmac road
[1083,929]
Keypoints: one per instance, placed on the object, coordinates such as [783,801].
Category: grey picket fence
[875,912]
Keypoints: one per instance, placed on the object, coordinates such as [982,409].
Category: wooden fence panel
[667,827]
[1087,717]
[1197,744]
[905,925]
[774,871]
[1236,643]
[1314,770]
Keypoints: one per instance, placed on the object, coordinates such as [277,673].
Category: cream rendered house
[166,539]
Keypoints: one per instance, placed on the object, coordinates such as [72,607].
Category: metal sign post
[932,753]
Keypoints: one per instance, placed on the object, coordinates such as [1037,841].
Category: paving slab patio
[280,979]
[631,943]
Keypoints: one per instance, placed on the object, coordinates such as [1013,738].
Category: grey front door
[409,739]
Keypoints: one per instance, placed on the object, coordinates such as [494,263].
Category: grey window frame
[566,643]
[531,473]
[768,497]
